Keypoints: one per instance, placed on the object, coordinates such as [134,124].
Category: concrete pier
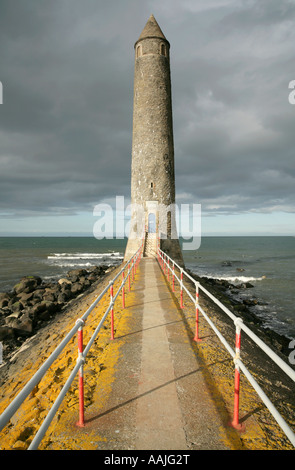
[158,398]
[151,388]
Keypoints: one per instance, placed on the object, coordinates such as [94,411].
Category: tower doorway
[152,223]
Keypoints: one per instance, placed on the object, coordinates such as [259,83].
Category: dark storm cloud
[66,122]
[234,122]
[67,114]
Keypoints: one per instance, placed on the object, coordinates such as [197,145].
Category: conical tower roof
[151,30]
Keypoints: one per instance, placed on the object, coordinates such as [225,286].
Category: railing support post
[81,422]
[129,287]
[235,422]
[112,309]
[123,290]
[173,278]
[196,338]
[181,289]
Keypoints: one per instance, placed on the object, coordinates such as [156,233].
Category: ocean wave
[71,265]
[237,279]
[80,256]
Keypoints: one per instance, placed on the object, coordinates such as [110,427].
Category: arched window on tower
[139,51]
[163,49]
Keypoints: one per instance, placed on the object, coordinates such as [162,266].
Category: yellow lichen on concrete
[260,431]
[99,372]
[99,367]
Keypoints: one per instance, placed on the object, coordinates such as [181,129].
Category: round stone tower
[152,175]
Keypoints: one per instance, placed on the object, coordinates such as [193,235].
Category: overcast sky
[66,67]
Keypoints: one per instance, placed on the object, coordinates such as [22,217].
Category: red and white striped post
[235,422]
[196,338]
[135,265]
[181,289]
[81,422]
[173,278]
[112,309]
[123,290]
[168,268]
[129,287]
[132,269]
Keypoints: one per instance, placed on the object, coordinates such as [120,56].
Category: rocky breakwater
[33,302]
[230,295]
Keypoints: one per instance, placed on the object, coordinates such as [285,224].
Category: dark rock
[95,270]
[64,281]
[280,342]
[49,297]
[244,285]
[240,308]
[85,282]
[23,325]
[76,288]
[17,307]
[93,277]
[4,295]
[5,311]
[50,309]
[27,284]
[65,287]
[44,310]
[250,302]
[32,303]
[64,297]
[25,298]
[38,294]
[4,299]
[4,303]
[75,274]
[6,332]
[249,285]
[37,309]
[12,317]
[50,294]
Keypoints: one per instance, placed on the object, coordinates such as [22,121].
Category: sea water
[268,263]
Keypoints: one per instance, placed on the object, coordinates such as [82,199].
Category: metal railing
[129,269]
[168,266]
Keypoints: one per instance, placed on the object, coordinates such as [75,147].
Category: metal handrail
[166,262]
[19,399]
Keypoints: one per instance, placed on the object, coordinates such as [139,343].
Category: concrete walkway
[151,388]
[159,399]
[158,418]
